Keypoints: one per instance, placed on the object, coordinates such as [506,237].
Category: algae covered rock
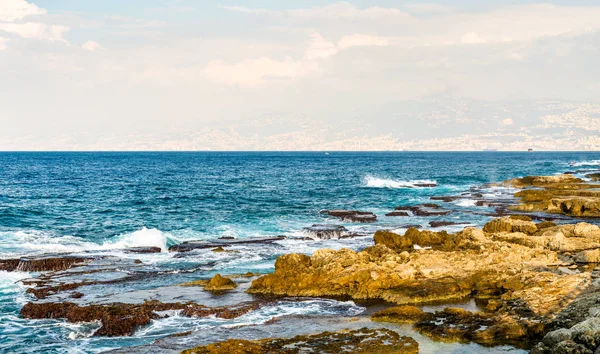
[219,283]
[361,341]
[398,314]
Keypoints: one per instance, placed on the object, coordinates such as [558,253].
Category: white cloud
[507,121]
[338,10]
[13,10]
[35,30]
[3,43]
[361,40]
[320,48]
[472,38]
[251,72]
[92,46]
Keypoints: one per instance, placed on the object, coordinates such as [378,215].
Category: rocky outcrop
[362,341]
[219,283]
[513,223]
[562,194]
[468,263]
[352,215]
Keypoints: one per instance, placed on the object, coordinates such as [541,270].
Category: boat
[530,150]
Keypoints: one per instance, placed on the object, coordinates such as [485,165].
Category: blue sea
[106,202]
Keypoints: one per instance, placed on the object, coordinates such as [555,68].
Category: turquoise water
[103,202]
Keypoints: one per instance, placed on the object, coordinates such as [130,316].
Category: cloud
[14,10]
[251,72]
[35,30]
[320,48]
[92,46]
[3,43]
[507,121]
[472,38]
[338,10]
[361,40]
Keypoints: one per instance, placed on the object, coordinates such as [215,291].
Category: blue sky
[299,75]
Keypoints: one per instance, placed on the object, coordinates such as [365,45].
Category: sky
[299,75]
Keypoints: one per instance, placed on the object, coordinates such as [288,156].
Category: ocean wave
[585,163]
[375,182]
[19,243]
[141,238]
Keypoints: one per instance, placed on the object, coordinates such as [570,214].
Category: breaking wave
[375,182]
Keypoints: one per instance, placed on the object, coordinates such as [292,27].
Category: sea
[105,202]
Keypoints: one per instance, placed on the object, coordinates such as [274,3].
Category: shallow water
[104,202]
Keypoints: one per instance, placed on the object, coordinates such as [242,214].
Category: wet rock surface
[352,215]
[201,244]
[121,319]
[362,340]
[325,231]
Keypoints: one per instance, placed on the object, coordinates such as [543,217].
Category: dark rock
[352,215]
[201,244]
[325,232]
[425,184]
[446,199]
[119,319]
[77,295]
[51,262]
[425,210]
[143,250]
[440,223]
[397,213]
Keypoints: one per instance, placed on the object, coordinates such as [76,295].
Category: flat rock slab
[203,244]
[351,215]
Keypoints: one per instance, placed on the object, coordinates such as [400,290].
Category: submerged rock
[399,314]
[352,215]
[120,319]
[460,325]
[363,341]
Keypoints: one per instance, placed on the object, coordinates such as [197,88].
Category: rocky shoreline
[532,269]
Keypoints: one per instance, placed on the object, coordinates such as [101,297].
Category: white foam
[585,163]
[141,238]
[466,203]
[375,182]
